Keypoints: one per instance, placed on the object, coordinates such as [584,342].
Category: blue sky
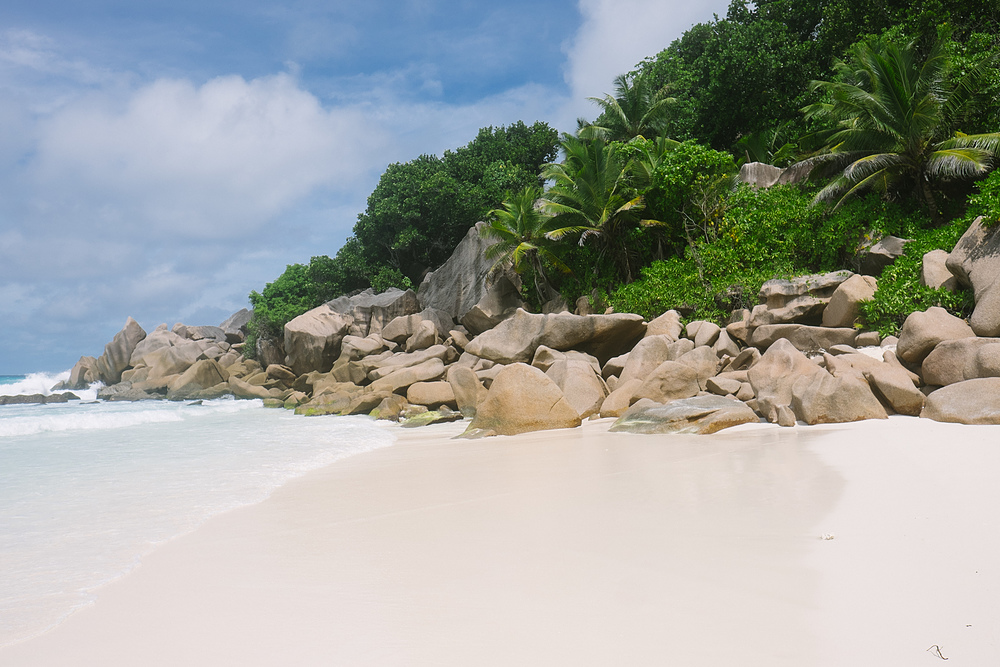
[162,159]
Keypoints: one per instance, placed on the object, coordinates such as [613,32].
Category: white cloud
[616,35]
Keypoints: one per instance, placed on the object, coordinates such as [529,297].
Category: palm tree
[635,110]
[892,116]
[518,231]
[591,196]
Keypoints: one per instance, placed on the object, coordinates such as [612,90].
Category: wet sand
[857,544]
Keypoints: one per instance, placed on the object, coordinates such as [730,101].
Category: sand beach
[866,543]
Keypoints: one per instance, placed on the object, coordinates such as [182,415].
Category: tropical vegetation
[891,107]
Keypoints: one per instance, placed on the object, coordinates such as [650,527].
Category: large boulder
[803,337]
[669,381]
[761,175]
[468,390]
[648,353]
[703,361]
[515,340]
[668,324]
[825,399]
[404,326]
[843,309]
[172,360]
[934,271]
[975,261]
[501,300]
[619,400]
[523,399]
[582,387]
[158,338]
[701,415]
[392,363]
[773,376]
[956,360]
[201,375]
[83,373]
[312,340]
[460,283]
[370,312]
[235,326]
[969,402]
[923,331]
[118,352]
[800,299]
[432,369]
[432,394]
[876,257]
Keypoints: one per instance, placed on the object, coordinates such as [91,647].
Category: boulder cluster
[435,355]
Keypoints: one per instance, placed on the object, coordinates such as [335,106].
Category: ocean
[87,488]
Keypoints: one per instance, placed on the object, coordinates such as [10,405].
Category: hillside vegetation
[894,106]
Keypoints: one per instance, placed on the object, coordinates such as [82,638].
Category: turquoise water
[87,488]
[11,379]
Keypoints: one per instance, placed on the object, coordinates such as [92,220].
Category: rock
[458,338]
[460,283]
[934,271]
[975,262]
[391,364]
[235,326]
[798,300]
[370,312]
[843,309]
[882,254]
[725,346]
[703,361]
[867,339]
[241,389]
[738,327]
[969,402]
[667,324]
[326,404]
[201,375]
[487,375]
[922,331]
[516,339]
[118,352]
[424,337]
[761,175]
[273,403]
[842,349]
[615,366]
[546,356]
[363,404]
[124,391]
[896,388]
[784,416]
[555,306]
[581,385]
[805,338]
[206,333]
[669,381]
[700,415]
[312,340]
[648,353]
[723,386]
[703,333]
[295,399]
[403,327]
[432,369]
[390,409]
[773,376]
[619,400]
[745,392]
[825,399]
[432,417]
[158,339]
[432,394]
[742,361]
[523,399]
[499,302]
[270,351]
[83,374]
[954,361]
[281,374]
[469,392]
[354,348]
[172,360]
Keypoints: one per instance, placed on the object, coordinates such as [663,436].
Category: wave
[31,420]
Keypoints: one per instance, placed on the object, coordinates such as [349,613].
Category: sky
[160,160]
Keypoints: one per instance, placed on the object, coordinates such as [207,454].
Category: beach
[865,543]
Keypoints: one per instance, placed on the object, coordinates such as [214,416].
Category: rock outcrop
[975,261]
[522,399]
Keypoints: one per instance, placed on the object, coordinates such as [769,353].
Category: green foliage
[637,109]
[986,200]
[894,122]
[899,290]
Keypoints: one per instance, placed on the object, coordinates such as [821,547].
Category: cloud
[618,34]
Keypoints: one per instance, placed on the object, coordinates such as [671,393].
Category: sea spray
[87,489]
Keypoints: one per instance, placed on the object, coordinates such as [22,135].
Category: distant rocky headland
[458,348]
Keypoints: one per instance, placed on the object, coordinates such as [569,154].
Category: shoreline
[584,545]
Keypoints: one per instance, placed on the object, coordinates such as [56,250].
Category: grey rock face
[798,300]
[523,399]
[975,261]
[882,254]
[805,338]
[460,283]
[934,271]
[370,312]
[500,302]
[312,340]
[773,376]
[844,307]
[700,415]
[235,326]
[118,352]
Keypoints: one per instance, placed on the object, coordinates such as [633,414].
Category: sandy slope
[581,547]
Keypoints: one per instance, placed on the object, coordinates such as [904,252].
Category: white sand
[581,547]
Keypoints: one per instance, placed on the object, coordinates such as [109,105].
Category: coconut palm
[892,114]
[635,110]
[518,231]
[591,196]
